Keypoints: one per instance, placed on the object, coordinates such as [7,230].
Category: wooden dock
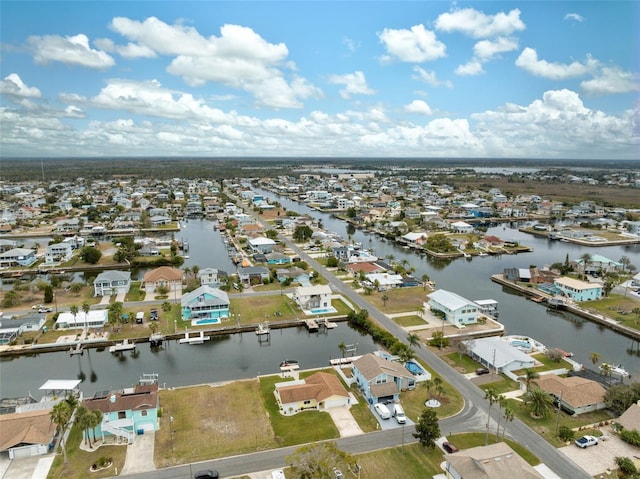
[312,325]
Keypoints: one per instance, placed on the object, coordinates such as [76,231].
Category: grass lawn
[617,307]
[400,299]
[135,293]
[501,385]
[412,460]
[79,462]
[413,401]
[548,364]
[462,362]
[254,309]
[361,412]
[203,432]
[468,440]
[304,427]
[412,320]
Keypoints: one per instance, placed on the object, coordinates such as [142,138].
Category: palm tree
[586,260]
[384,299]
[60,415]
[509,416]
[502,403]
[530,376]
[606,369]
[425,280]
[492,397]
[74,310]
[82,419]
[414,340]
[86,307]
[437,384]
[538,401]
[96,420]
[595,357]
[343,349]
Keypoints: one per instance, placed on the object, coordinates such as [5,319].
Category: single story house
[112,282]
[58,253]
[159,220]
[415,238]
[630,419]
[253,274]
[27,434]
[311,297]
[461,227]
[262,245]
[211,276]
[164,276]
[364,267]
[11,328]
[495,461]
[385,281]
[277,258]
[381,379]
[457,310]
[320,391]
[497,354]
[578,290]
[205,305]
[598,263]
[96,318]
[126,412]
[17,257]
[576,395]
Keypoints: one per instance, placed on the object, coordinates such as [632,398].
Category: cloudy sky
[544,79]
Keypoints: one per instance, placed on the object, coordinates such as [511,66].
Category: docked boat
[614,370]
[557,303]
[289,364]
[156,339]
[263,328]
[125,345]
[198,338]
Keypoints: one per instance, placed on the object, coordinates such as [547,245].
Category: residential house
[498,354]
[296,274]
[578,290]
[112,282]
[262,245]
[385,281]
[364,267]
[205,305]
[312,297]
[68,225]
[575,395]
[457,310]
[159,220]
[126,412]
[17,257]
[12,328]
[277,258]
[211,276]
[495,461]
[630,419]
[415,239]
[635,281]
[319,392]
[598,264]
[461,227]
[58,253]
[94,319]
[27,434]
[381,379]
[253,275]
[6,245]
[164,276]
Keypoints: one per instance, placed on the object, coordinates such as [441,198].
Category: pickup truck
[586,441]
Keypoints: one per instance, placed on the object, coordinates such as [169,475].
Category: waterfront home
[17,257]
[313,297]
[11,328]
[165,277]
[597,264]
[384,281]
[112,282]
[262,245]
[277,258]
[6,245]
[630,419]
[415,239]
[97,318]
[125,412]
[381,379]
[205,305]
[578,290]
[297,275]
[27,434]
[495,461]
[320,391]
[159,220]
[576,395]
[461,227]
[497,354]
[457,310]
[253,275]
[364,267]
[211,276]
[68,225]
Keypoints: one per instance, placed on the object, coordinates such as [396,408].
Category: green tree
[48,294]
[114,313]
[384,299]
[83,420]
[538,402]
[11,299]
[90,255]
[95,420]
[60,415]
[74,310]
[508,416]
[491,396]
[595,357]
[565,433]
[618,398]
[438,340]
[427,428]
[530,376]
[302,233]
[413,339]
[586,261]
[318,461]
[626,466]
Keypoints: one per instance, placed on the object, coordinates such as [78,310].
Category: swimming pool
[414,368]
[323,310]
[522,345]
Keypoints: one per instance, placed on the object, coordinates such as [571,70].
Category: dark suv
[481,371]
[208,474]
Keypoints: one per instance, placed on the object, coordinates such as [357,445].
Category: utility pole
[558,413]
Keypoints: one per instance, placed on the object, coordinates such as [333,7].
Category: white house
[211,276]
[94,319]
[384,281]
[58,253]
[320,391]
[498,354]
[112,282]
[461,227]
[457,310]
[310,297]
[262,245]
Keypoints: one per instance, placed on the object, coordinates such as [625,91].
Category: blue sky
[541,79]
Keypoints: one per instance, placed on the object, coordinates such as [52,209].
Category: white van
[382,410]
[398,413]
[139,317]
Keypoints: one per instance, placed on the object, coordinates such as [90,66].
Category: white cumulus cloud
[70,50]
[471,68]
[528,61]
[355,84]
[477,24]
[485,50]
[418,106]
[13,86]
[429,77]
[416,45]
[611,80]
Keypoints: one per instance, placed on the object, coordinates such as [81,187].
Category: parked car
[206,474]
[382,410]
[398,413]
[481,371]
[45,310]
[153,315]
[586,441]
[139,317]
[450,448]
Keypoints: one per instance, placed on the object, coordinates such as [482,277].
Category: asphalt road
[473,416]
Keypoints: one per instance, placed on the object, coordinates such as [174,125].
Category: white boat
[483,254]
[199,338]
[614,370]
[125,345]
[289,365]
[263,328]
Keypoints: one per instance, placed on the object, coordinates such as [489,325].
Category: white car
[398,413]
[382,410]
[586,441]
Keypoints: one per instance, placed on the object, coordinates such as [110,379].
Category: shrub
[631,436]
[565,433]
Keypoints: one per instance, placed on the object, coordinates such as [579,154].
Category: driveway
[140,454]
[344,421]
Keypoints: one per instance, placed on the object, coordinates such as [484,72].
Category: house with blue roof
[205,305]
[598,264]
[457,310]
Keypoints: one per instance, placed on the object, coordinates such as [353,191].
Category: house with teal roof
[598,264]
[205,305]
